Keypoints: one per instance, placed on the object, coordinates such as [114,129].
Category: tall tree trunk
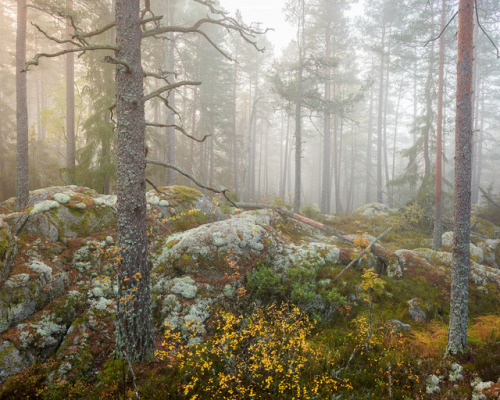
[70,102]
[193,131]
[285,166]
[459,297]
[298,110]
[369,164]
[479,161]
[380,117]
[475,121]
[134,325]
[396,120]
[325,182]
[22,182]
[170,65]
[438,207]
[235,142]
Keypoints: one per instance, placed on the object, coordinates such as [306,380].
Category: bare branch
[115,61]
[442,31]
[112,25]
[54,39]
[363,252]
[154,186]
[488,36]
[192,178]
[81,49]
[169,87]
[180,129]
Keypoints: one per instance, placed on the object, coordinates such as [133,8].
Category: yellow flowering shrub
[267,356]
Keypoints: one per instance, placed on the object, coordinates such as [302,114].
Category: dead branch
[488,197]
[169,87]
[192,178]
[442,31]
[488,36]
[54,39]
[180,129]
[116,61]
[154,187]
[363,252]
[82,49]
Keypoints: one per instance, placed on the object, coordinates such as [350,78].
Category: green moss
[183,193]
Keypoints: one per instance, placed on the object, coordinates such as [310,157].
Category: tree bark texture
[134,326]
[22,182]
[70,103]
[457,336]
[438,207]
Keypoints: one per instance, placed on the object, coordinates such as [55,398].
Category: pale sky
[270,13]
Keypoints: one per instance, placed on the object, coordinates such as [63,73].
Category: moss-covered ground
[338,343]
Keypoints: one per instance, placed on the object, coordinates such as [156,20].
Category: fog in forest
[342,94]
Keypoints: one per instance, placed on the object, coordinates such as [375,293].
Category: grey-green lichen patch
[12,361]
[372,209]
[62,198]
[185,287]
[22,294]
[44,206]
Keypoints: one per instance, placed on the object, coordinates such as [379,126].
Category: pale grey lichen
[228,291]
[42,269]
[61,198]
[185,287]
[80,206]
[43,206]
[456,373]
[432,386]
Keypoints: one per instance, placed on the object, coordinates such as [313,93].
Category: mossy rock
[8,250]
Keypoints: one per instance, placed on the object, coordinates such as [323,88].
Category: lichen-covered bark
[457,336]
[134,327]
[22,186]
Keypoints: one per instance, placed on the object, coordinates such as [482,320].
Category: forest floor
[246,304]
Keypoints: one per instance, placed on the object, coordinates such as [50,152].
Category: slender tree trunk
[438,207]
[386,104]
[475,122]
[285,166]
[170,65]
[134,325]
[380,117]
[479,161]
[396,120]
[369,164]
[459,297]
[298,110]
[70,103]
[235,143]
[325,183]
[22,183]
[193,131]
